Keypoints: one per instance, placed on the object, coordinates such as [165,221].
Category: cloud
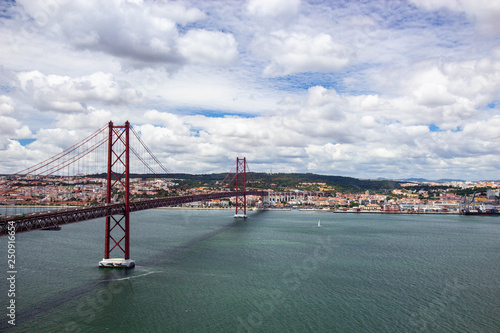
[174,122]
[365,89]
[140,34]
[216,90]
[92,119]
[55,140]
[297,52]
[10,128]
[328,132]
[69,95]
[176,12]
[451,91]
[122,29]
[15,157]
[485,131]
[485,13]
[179,145]
[282,10]
[208,47]
[6,105]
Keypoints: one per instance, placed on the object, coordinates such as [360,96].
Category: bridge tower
[117,233]
[241,181]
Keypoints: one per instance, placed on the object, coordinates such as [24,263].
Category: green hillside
[281,181]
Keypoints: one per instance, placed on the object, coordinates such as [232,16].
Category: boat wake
[131,277]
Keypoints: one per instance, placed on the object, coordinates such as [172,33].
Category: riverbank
[340,211]
[391,212]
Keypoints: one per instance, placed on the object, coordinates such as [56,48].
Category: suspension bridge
[114,146]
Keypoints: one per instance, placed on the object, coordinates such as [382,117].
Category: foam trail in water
[130,277]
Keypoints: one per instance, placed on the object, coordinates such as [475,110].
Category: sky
[367,89]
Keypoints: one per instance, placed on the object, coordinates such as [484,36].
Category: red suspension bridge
[115,143]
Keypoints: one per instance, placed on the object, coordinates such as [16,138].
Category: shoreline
[335,211]
[318,210]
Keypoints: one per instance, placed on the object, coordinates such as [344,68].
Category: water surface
[204,271]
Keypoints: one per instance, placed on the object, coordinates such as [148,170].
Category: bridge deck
[47,220]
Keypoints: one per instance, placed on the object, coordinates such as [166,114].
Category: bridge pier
[117,262]
[241,180]
[117,233]
[115,210]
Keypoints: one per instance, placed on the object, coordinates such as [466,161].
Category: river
[277,271]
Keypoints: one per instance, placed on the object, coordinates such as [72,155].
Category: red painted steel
[108,189]
[117,232]
[241,181]
[127,191]
[45,220]
[118,175]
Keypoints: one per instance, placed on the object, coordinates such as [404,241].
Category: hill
[303,181]
[279,181]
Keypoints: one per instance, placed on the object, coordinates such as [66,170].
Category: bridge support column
[266,200]
[241,180]
[117,233]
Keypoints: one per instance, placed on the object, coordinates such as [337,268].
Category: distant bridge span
[54,219]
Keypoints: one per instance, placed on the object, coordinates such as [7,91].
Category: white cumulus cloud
[290,53]
[66,94]
[274,9]
[484,13]
[208,47]
[6,105]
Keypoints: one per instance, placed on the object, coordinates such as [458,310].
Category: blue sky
[368,89]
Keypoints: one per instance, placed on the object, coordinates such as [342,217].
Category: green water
[204,271]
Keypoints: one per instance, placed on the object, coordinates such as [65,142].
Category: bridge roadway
[47,220]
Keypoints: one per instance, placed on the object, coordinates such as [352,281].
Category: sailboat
[319,223]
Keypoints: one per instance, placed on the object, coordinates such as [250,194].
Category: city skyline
[393,90]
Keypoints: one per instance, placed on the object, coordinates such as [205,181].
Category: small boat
[319,223]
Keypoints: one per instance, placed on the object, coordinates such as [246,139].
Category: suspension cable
[52,159]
